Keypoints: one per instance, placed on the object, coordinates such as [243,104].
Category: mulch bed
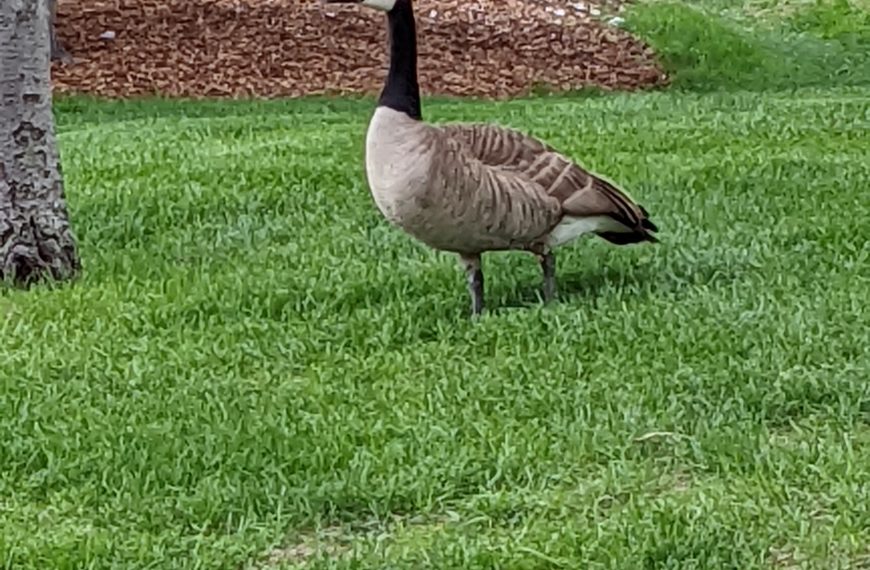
[279,48]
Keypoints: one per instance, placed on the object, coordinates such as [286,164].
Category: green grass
[758,44]
[254,361]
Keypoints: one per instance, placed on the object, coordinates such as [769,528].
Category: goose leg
[548,267]
[474,275]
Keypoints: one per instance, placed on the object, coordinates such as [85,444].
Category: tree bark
[35,236]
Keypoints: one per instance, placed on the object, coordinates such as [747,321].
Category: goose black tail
[638,235]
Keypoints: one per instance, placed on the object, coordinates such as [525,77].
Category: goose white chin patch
[385,5]
[571,228]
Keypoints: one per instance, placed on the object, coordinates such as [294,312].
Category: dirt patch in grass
[336,542]
[332,542]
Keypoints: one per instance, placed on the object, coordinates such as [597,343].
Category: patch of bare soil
[279,48]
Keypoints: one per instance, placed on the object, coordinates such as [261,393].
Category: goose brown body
[431,185]
[471,188]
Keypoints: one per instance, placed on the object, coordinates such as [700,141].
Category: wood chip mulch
[279,48]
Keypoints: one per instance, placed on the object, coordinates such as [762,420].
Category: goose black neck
[401,91]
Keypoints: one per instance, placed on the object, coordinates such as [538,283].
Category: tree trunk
[35,236]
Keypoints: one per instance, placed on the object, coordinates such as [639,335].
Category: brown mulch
[271,48]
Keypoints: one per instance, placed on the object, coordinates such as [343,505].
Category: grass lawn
[256,371]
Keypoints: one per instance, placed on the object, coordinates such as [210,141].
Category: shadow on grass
[641,281]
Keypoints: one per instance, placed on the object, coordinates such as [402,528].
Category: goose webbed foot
[548,268]
[474,276]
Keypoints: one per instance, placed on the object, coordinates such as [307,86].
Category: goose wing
[580,192]
[485,207]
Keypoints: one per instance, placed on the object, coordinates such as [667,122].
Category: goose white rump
[571,228]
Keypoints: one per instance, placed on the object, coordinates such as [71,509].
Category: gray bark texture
[35,236]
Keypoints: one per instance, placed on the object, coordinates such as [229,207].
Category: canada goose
[468,188]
